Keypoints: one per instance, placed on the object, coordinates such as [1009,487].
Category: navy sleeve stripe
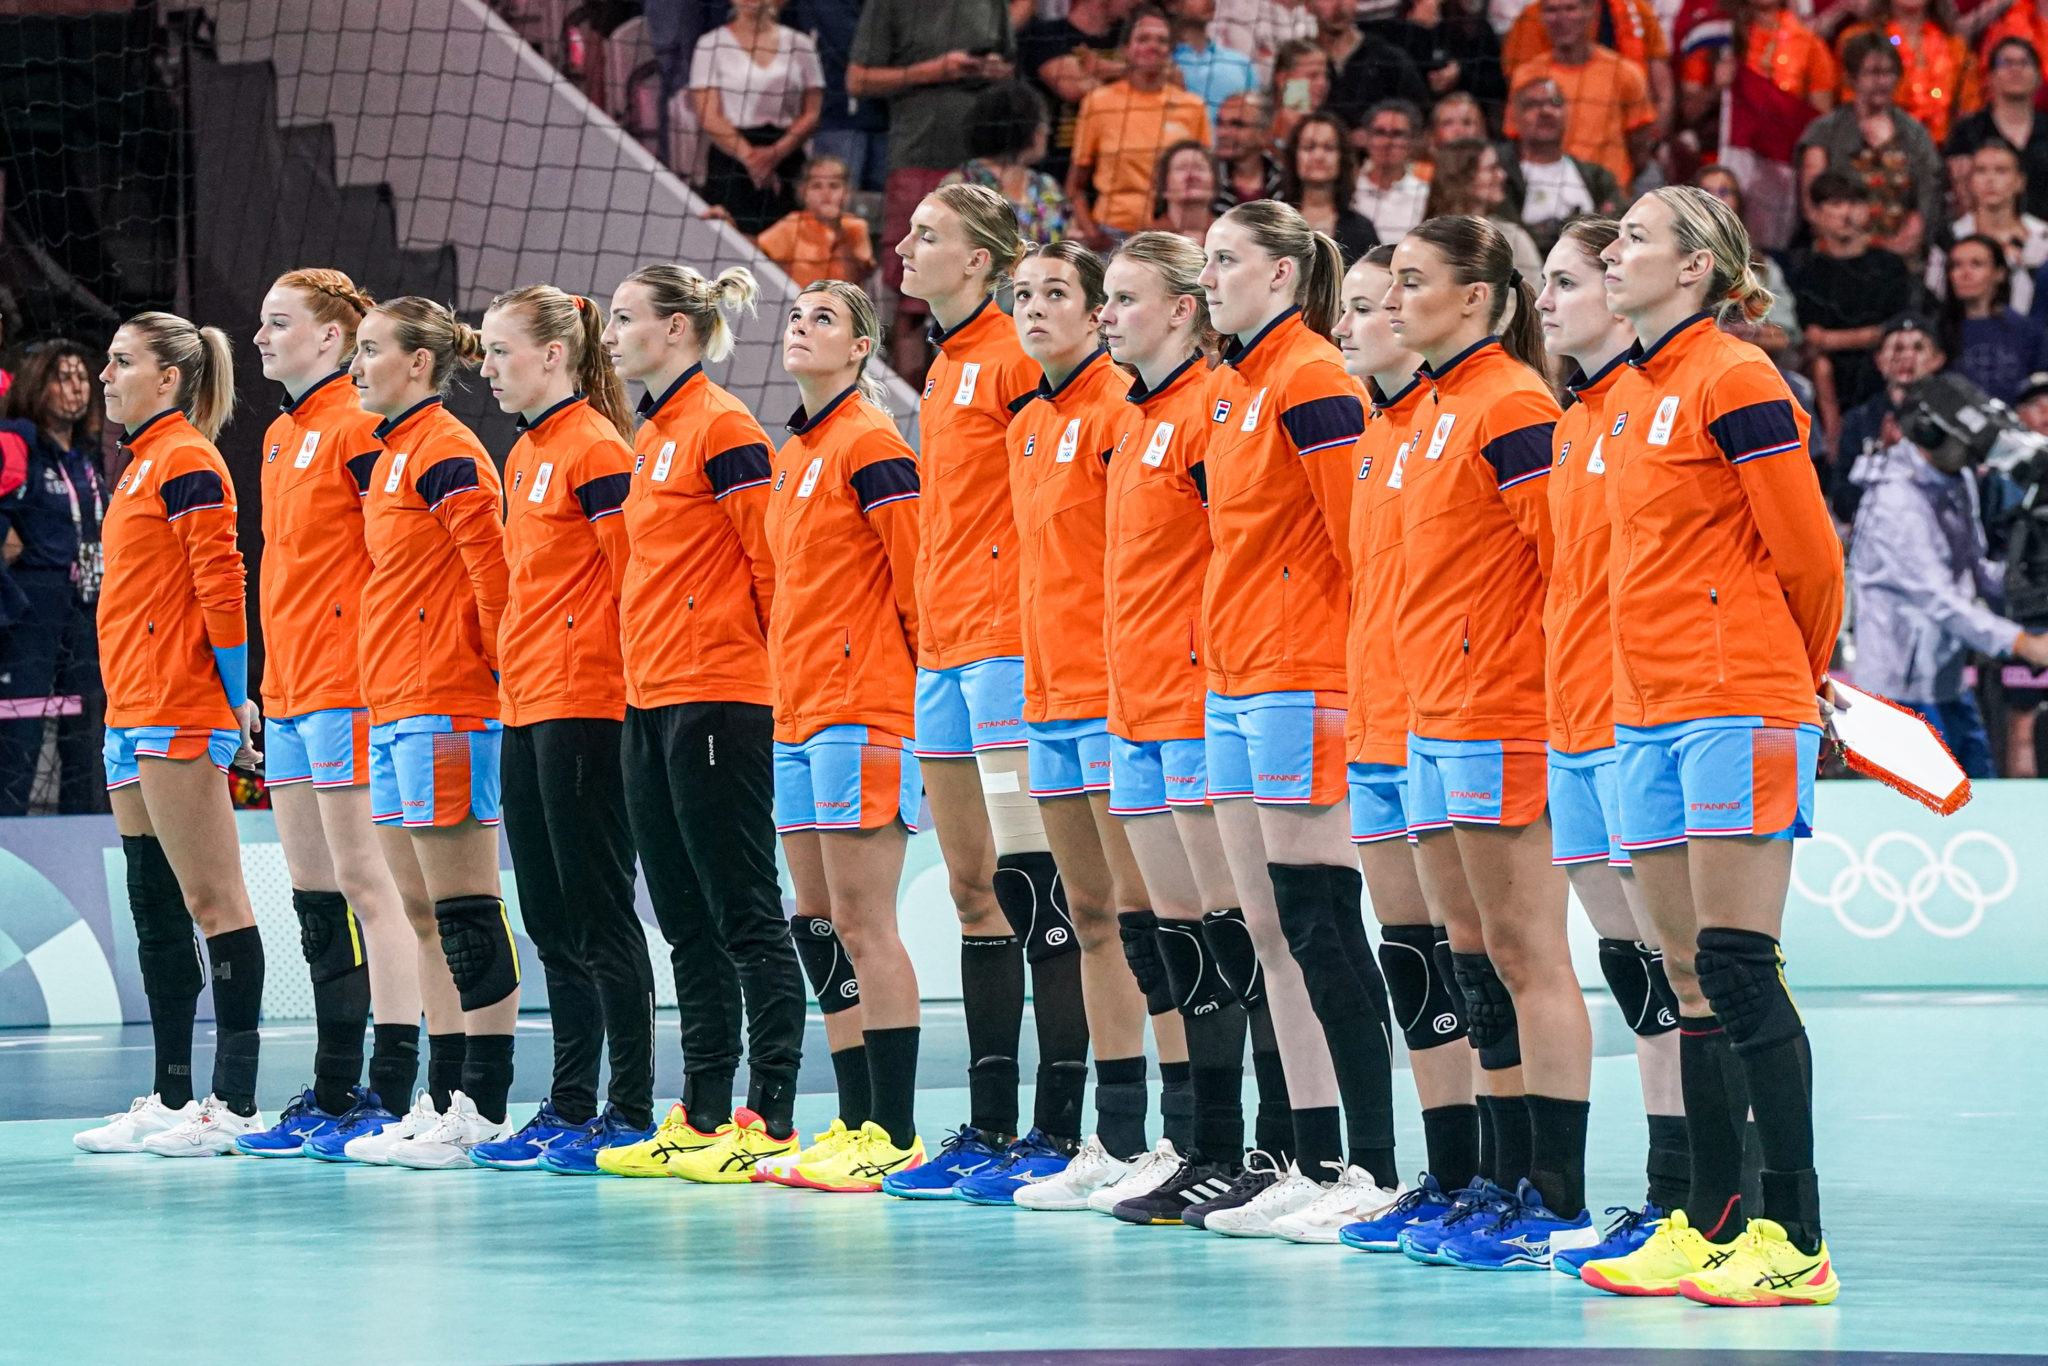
[1761,429]
[1199,472]
[1323,424]
[360,468]
[885,481]
[742,467]
[192,493]
[1520,454]
[604,495]
[445,479]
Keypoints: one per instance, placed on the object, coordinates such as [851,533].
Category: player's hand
[249,720]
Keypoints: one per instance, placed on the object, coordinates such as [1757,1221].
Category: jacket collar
[1638,356]
[293,405]
[389,425]
[526,427]
[170,419]
[1437,376]
[1235,353]
[1052,394]
[802,423]
[650,404]
[939,336]
[1387,404]
[1582,384]
[1140,394]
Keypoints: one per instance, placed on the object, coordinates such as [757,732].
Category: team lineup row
[1182,658]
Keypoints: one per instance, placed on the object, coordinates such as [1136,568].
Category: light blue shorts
[1278,748]
[1379,802]
[125,744]
[1068,758]
[973,707]
[1724,775]
[1585,808]
[324,748]
[435,770]
[1147,777]
[1477,782]
[847,778]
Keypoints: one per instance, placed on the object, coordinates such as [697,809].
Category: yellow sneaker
[781,1169]
[1676,1250]
[650,1157]
[1767,1270]
[730,1161]
[861,1164]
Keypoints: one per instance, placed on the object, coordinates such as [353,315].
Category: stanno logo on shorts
[1472,796]
[1222,410]
[1281,777]
[1714,806]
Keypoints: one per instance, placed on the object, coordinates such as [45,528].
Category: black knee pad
[476,937]
[1489,1012]
[1743,975]
[1229,941]
[1628,965]
[166,940]
[1426,1009]
[1195,985]
[1139,932]
[825,962]
[1660,982]
[1028,890]
[329,934]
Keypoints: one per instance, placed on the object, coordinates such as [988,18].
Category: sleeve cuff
[233,663]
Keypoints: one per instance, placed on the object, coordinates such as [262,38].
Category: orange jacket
[173,588]
[1941,80]
[1059,459]
[967,532]
[432,606]
[700,581]
[1578,633]
[317,459]
[1476,532]
[1725,573]
[843,524]
[1157,522]
[1284,419]
[565,551]
[1376,728]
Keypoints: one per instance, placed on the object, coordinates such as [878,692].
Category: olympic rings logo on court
[1865,874]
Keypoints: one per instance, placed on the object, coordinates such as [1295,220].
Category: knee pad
[1028,891]
[476,937]
[1139,932]
[329,935]
[1743,975]
[826,963]
[1426,1009]
[1194,982]
[166,940]
[1660,982]
[1632,969]
[1229,941]
[1489,1012]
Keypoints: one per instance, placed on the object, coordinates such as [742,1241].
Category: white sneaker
[210,1132]
[1091,1169]
[447,1144]
[375,1149]
[124,1133]
[1355,1196]
[1254,1219]
[1141,1177]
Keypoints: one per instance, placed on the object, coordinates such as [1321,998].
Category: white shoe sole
[430,1157]
[100,1146]
[184,1151]
[1068,1204]
[1298,1234]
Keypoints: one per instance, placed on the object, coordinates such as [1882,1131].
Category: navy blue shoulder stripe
[1022,401]
[446,478]
[742,467]
[1199,472]
[192,492]
[1323,424]
[1761,429]
[885,481]
[604,495]
[1521,454]
[360,467]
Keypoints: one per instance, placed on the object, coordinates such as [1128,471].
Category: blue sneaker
[1033,1157]
[1421,1240]
[522,1151]
[578,1156]
[368,1116]
[1382,1233]
[965,1153]
[301,1120]
[1630,1230]
[1521,1237]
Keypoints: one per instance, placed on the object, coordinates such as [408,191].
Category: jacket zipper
[1720,647]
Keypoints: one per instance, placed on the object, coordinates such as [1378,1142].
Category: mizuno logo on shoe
[1538,1246]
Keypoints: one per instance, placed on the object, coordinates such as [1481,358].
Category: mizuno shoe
[522,1151]
[1767,1270]
[1255,1217]
[1674,1250]
[1629,1231]
[966,1152]
[777,1170]
[1481,1199]
[1091,1169]
[124,1133]
[1141,1177]
[450,1143]
[1032,1158]
[1355,1194]
[374,1146]
[651,1156]
[1380,1230]
[368,1118]
[732,1159]
[303,1119]
[577,1156]
[210,1131]
[862,1165]
[1522,1237]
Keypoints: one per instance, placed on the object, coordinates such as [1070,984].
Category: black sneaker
[1260,1171]
[1195,1180]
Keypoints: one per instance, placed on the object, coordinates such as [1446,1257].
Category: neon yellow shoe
[650,1157]
[781,1169]
[861,1164]
[1676,1250]
[1767,1270]
[730,1161]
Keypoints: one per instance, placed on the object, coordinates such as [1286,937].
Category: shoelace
[957,1140]
[1631,1219]
[1409,1202]
[1469,1205]
[298,1106]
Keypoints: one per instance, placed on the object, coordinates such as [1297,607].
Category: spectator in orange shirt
[1778,47]
[1124,127]
[2026,22]
[821,240]
[1941,80]
[1611,119]
[1629,27]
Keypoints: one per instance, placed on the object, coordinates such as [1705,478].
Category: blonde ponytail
[1282,233]
[424,325]
[549,315]
[204,360]
[673,289]
[1702,222]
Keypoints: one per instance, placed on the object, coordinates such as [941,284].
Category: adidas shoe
[1380,1230]
[1254,1218]
[1521,1238]
[778,1169]
[967,1152]
[368,1118]
[1141,1177]
[1481,1200]
[675,1137]
[1034,1157]
[1259,1172]
[450,1142]
[125,1132]
[374,1146]
[1354,1195]
[522,1151]
[577,1154]
[862,1165]
[732,1159]
[1629,1231]
[1091,1169]
[1766,1270]
[210,1132]
[1194,1182]
[302,1120]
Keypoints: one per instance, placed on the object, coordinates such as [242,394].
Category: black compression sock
[992,997]
[1489,1149]
[1792,1200]
[892,1068]
[1056,1108]
[773,1098]
[1057,1010]
[445,1053]
[394,1064]
[1273,1122]
[1450,1134]
[856,1091]
[487,1074]
[1715,1111]
[707,1098]
[237,962]
[1557,1154]
[1120,1106]
[1318,1143]
[1670,1164]
[1177,1104]
[332,945]
[170,1027]
[1508,1117]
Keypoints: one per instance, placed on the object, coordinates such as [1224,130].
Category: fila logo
[1122,442]
[930,385]
[780,475]
[1222,410]
[1660,425]
[1564,453]
[541,481]
[306,449]
[392,480]
[964,395]
[518,477]
[663,461]
[639,461]
[1030,445]
[1365,467]
[1619,423]
[1155,452]
[1251,414]
[272,456]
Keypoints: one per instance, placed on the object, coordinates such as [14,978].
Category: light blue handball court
[1918,950]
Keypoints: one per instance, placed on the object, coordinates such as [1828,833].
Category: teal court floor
[1931,1113]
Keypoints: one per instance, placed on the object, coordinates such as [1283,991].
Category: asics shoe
[1629,1231]
[303,1119]
[451,1141]
[778,1169]
[125,1132]
[1767,1270]
[1141,1177]
[209,1132]
[1254,1218]
[1193,1180]
[1673,1251]
[1091,1169]
[1522,1237]
[651,1156]
[523,1150]
[1380,1230]
[577,1155]
[732,1159]
[1259,1173]
[1481,1199]
[367,1118]
[966,1152]
[1354,1195]
[862,1165]
[374,1146]
[1032,1158]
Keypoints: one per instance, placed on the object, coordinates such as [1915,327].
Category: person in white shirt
[1389,192]
[758,90]
[1257,28]
[1998,185]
